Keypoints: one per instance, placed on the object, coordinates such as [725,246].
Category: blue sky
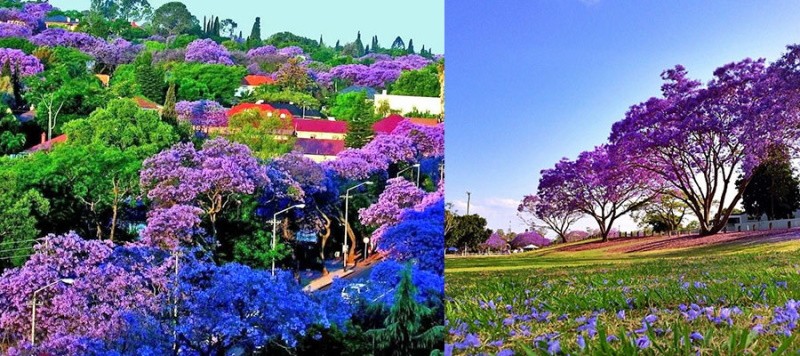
[531,81]
[420,20]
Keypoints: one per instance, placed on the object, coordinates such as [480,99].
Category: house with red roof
[146,103]
[269,109]
[319,150]
[320,129]
[251,82]
[389,123]
[46,145]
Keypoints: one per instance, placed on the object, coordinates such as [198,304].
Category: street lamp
[346,224]
[275,228]
[366,243]
[409,167]
[33,312]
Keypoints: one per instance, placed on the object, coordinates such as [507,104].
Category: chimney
[44,137]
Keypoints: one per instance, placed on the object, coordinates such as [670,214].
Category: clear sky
[532,81]
[420,20]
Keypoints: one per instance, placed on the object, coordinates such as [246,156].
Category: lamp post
[366,243]
[33,312]
[468,196]
[275,228]
[346,224]
[409,167]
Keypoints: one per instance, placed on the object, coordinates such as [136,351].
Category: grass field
[730,298]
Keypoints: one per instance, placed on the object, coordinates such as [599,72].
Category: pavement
[362,268]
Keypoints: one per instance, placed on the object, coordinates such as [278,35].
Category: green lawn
[503,303]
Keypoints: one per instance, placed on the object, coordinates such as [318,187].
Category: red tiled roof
[145,103]
[256,80]
[319,125]
[313,146]
[387,124]
[424,121]
[247,106]
[47,144]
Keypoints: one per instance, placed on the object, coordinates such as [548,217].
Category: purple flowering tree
[428,140]
[60,37]
[202,114]
[119,51]
[700,139]
[20,63]
[211,178]
[207,51]
[529,238]
[557,215]
[10,29]
[600,185]
[497,243]
[108,282]
[169,228]
[417,237]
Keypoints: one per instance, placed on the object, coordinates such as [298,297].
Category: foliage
[150,79]
[267,136]
[20,63]
[12,139]
[556,215]
[123,83]
[19,212]
[403,333]
[467,231]
[421,82]
[128,10]
[124,125]
[774,189]
[283,96]
[215,81]
[293,76]
[173,18]
[418,237]
[663,214]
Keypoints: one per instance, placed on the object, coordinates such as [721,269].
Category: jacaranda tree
[699,139]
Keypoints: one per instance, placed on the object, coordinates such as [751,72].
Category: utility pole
[468,197]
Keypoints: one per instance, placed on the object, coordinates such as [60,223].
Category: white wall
[408,103]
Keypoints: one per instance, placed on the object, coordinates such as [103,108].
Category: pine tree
[422,52]
[375,46]
[398,43]
[255,34]
[403,333]
[338,47]
[320,41]
[149,78]
[410,47]
[359,45]
[366,49]
[168,113]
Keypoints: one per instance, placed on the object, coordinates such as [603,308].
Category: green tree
[207,81]
[254,40]
[168,113]
[293,76]
[127,10]
[359,46]
[124,81]
[398,44]
[173,18]
[410,47]
[422,82]
[100,177]
[267,135]
[12,139]
[20,210]
[122,124]
[18,43]
[404,330]
[229,27]
[351,106]
[149,78]
[466,230]
[774,189]
[662,215]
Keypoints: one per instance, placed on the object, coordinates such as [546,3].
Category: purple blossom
[20,62]
[202,113]
[207,51]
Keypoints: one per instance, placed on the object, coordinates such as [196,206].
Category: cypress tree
[410,47]
[216,26]
[359,45]
[375,43]
[255,33]
[150,79]
[320,41]
[338,47]
[168,113]
[205,25]
[366,49]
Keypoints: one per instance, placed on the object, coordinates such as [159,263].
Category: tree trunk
[324,240]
